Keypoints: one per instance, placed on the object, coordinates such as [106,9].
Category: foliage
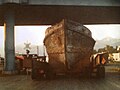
[94,51]
[108,48]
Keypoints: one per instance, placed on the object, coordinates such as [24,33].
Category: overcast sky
[102,31]
[35,34]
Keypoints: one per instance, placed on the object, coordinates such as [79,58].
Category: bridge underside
[50,14]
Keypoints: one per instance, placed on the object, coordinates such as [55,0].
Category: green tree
[107,48]
[94,51]
[110,49]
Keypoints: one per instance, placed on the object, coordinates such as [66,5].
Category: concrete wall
[9,1]
[78,2]
[0,1]
[71,2]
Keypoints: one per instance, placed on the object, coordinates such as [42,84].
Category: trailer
[41,69]
[69,46]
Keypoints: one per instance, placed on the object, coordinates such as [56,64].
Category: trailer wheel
[50,73]
[87,72]
[100,71]
[38,74]
[34,74]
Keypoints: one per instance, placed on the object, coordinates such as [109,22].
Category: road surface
[24,82]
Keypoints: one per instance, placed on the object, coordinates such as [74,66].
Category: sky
[35,34]
[102,31]
[23,34]
[32,34]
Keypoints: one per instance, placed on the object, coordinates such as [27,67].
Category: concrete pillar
[9,23]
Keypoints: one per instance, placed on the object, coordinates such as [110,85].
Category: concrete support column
[9,23]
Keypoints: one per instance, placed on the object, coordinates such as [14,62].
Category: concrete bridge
[47,12]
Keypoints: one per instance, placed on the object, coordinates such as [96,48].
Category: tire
[87,72]
[37,75]
[36,68]
[50,74]
[34,75]
[101,72]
